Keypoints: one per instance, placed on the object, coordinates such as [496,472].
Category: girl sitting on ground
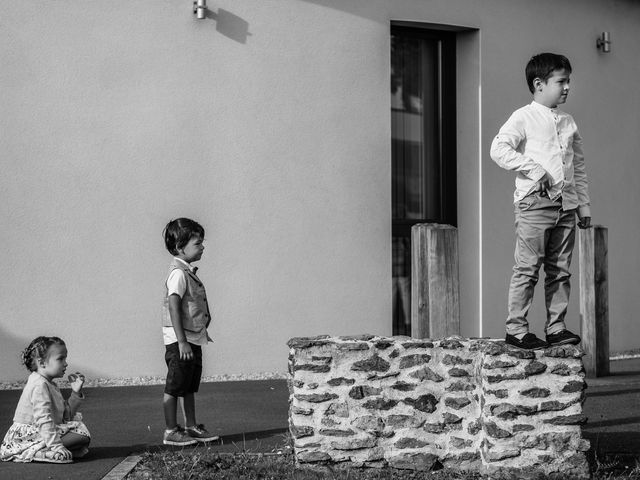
[46,427]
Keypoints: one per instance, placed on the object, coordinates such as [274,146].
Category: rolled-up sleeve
[580,177]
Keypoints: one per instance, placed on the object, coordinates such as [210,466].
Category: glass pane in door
[416,154]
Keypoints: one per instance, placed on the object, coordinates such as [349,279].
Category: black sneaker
[201,434]
[563,337]
[528,342]
[178,437]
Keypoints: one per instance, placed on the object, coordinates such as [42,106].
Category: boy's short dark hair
[178,232]
[543,65]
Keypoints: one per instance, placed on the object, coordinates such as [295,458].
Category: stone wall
[470,404]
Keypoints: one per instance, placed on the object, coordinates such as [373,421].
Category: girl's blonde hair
[38,349]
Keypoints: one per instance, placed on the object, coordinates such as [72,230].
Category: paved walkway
[252,416]
[249,415]
[613,408]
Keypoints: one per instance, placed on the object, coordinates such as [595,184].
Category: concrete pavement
[613,408]
[249,416]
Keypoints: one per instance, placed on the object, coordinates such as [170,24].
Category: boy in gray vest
[542,145]
[185,318]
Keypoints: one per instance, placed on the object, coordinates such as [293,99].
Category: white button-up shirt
[537,140]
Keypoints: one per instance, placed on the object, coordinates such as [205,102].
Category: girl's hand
[76,381]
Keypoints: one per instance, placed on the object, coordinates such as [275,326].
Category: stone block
[460,386]
[301,411]
[354,443]
[404,386]
[369,423]
[425,373]
[457,402]
[499,364]
[424,403]
[468,404]
[380,404]
[534,368]
[458,372]
[362,391]
[456,360]
[403,421]
[416,344]
[301,431]
[536,392]
[409,442]
[409,361]
[315,397]
[373,364]
[413,461]
[336,382]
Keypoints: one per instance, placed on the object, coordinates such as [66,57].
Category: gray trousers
[545,235]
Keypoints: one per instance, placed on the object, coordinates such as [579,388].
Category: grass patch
[204,463]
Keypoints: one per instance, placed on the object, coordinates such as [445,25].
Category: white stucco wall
[269,124]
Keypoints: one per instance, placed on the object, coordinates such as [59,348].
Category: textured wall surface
[470,404]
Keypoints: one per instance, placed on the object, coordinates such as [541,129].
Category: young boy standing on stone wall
[542,145]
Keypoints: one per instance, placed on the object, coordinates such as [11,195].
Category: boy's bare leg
[170,405]
[189,407]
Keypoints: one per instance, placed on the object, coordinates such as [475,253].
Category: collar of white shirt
[191,267]
[544,108]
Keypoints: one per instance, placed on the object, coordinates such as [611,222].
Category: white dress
[48,412]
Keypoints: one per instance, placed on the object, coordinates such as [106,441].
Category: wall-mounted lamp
[604,42]
[200,9]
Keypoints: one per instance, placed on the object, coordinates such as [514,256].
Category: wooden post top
[440,226]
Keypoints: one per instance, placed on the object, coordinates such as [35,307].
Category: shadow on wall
[11,347]
[230,25]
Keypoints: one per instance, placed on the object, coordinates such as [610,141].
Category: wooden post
[594,299]
[435,309]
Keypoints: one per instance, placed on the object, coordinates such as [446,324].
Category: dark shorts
[183,376]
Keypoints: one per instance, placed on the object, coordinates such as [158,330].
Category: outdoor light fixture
[604,42]
[200,9]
